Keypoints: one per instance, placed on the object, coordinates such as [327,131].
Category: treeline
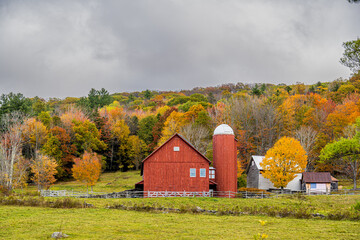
[123,128]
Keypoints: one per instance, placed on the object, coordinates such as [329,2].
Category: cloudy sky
[52,48]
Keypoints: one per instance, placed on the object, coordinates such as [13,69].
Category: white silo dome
[223,129]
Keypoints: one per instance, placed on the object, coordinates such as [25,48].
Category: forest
[45,140]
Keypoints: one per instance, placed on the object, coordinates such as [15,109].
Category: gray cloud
[64,48]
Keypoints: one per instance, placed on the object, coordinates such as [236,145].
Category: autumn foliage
[283,161]
[44,170]
[124,127]
[87,169]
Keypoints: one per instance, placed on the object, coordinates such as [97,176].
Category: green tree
[256,91]
[146,126]
[148,94]
[87,136]
[38,105]
[45,118]
[351,56]
[14,102]
[95,99]
[347,151]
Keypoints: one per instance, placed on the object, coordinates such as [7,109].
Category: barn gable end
[168,168]
[175,141]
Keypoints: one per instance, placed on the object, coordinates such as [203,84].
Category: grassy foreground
[39,223]
[324,204]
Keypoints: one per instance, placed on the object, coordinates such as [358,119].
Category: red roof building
[318,182]
[176,168]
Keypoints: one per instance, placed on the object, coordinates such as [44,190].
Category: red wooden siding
[169,170]
[224,161]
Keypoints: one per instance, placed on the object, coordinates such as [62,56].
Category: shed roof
[258,160]
[316,177]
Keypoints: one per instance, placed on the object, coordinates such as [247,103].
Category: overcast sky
[54,48]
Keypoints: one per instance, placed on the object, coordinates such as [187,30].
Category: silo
[224,160]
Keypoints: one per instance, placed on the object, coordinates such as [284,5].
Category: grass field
[100,222]
[325,204]
[120,181]
[39,223]
[108,182]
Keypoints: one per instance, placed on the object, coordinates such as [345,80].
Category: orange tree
[285,159]
[87,169]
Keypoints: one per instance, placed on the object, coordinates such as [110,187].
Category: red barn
[176,168]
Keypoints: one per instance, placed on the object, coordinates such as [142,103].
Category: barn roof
[182,138]
[316,177]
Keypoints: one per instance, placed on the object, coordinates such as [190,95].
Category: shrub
[241,181]
[357,207]
[4,191]
[67,203]
[243,189]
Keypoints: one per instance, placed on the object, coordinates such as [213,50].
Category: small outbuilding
[318,182]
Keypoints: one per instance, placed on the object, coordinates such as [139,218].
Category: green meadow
[25,215]
[99,223]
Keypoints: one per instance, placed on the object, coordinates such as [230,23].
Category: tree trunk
[354,174]
[92,189]
[354,181]
[112,155]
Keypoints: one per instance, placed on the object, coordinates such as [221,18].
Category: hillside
[123,128]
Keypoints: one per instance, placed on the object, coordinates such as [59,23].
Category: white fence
[155,194]
[66,193]
[152,194]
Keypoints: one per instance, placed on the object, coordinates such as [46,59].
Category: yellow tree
[172,125]
[87,169]
[137,151]
[34,136]
[44,170]
[285,159]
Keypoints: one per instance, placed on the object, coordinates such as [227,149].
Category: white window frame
[176,149]
[202,172]
[192,172]
[211,173]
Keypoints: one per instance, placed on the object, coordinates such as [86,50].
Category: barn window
[176,149]
[202,172]
[312,185]
[212,173]
[192,172]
